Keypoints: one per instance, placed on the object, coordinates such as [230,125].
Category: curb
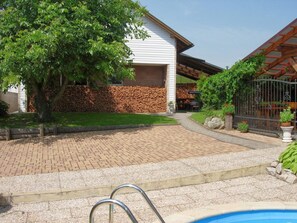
[9,199]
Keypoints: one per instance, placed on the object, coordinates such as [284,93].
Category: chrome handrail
[132,186]
[112,202]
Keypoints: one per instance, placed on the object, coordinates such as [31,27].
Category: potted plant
[243,126]
[228,111]
[286,117]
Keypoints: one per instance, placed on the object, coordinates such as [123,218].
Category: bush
[289,157]
[243,126]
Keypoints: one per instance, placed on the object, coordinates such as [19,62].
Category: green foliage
[228,109]
[243,126]
[286,115]
[221,88]
[3,108]
[42,40]
[289,157]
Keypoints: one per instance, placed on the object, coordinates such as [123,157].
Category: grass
[28,120]
[202,115]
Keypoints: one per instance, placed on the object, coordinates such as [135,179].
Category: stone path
[183,118]
[196,166]
[168,201]
[95,150]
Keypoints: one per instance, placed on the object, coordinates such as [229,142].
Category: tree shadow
[80,136]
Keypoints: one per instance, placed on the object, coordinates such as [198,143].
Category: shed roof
[182,42]
[280,52]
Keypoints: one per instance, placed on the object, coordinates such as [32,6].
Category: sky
[224,31]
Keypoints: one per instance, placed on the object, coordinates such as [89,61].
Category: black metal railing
[260,102]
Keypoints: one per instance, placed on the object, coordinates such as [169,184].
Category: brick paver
[96,150]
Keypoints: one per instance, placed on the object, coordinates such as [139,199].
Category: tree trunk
[43,107]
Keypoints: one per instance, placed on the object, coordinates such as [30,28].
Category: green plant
[289,157]
[286,115]
[3,108]
[228,109]
[222,87]
[243,126]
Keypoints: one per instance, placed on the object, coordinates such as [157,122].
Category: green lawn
[202,115]
[28,120]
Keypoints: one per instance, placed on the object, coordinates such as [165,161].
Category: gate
[260,102]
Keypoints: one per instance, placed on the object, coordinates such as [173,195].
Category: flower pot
[286,124]
[287,136]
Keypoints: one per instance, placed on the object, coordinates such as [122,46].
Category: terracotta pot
[286,124]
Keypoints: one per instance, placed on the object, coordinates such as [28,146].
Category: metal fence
[260,102]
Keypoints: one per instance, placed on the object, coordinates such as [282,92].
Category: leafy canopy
[43,40]
[220,89]
[78,39]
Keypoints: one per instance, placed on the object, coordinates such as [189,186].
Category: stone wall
[128,99]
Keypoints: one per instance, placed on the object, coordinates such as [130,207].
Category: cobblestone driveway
[95,150]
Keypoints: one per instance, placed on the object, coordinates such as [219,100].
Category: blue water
[261,216]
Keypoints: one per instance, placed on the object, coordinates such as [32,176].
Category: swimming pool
[255,216]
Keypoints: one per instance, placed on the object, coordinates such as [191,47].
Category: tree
[221,88]
[41,41]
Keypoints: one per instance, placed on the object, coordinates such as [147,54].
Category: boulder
[215,123]
[271,171]
[274,163]
[279,168]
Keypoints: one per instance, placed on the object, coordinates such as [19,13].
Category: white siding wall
[159,48]
[22,97]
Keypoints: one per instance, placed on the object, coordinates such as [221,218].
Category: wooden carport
[280,53]
[191,68]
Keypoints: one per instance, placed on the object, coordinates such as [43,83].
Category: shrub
[286,115]
[243,126]
[3,108]
[289,157]
[228,109]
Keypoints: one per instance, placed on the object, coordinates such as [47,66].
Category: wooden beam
[293,63]
[281,40]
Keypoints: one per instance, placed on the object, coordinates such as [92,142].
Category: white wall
[159,48]
[22,97]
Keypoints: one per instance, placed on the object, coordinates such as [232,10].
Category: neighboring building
[156,60]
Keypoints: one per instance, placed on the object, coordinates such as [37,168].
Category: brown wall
[10,98]
[131,99]
[183,89]
[148,76]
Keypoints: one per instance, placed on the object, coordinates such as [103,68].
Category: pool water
[259,216]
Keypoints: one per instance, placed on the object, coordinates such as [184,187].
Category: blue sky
[224,31]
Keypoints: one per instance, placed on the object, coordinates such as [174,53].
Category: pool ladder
[111,201]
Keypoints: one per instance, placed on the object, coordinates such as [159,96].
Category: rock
[291,178]
[288,171]
[207,120]
[271,171]
[282,177]
[274,163]
[215,123]
[279,168]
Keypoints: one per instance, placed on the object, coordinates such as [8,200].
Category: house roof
[280,52]
[182,43]
[192,67]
